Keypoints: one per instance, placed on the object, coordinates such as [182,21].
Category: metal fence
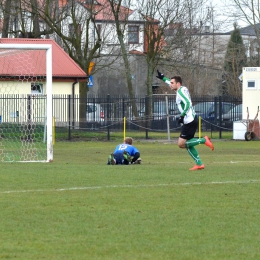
[148,115]
[107,114]
[22,108]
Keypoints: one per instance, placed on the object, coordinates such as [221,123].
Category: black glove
[180,121]
[160,75]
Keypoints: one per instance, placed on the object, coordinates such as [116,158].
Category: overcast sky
[224,13]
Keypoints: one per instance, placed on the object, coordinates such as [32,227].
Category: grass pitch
[80,208]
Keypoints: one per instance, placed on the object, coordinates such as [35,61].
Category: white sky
[224,14]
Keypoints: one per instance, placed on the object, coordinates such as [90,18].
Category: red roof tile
[63,67]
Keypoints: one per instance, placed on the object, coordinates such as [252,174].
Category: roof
[63,66]
[248,30]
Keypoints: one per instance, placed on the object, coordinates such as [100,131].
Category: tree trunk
[35,18]
[82,103]
[7,14]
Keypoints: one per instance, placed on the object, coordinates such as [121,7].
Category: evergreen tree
[235,60]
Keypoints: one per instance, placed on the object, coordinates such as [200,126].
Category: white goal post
[48,97]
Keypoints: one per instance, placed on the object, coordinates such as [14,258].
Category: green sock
[195,155]
[195,141]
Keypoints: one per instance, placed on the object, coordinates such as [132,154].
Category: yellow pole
[53,131]
[199,126]
[124,127]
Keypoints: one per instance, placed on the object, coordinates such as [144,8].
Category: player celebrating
[125,153]
[188,119]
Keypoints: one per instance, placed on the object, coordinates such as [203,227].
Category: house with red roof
[133,25]
[23,76]
[28,68]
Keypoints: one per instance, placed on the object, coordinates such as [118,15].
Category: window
[251,84]
[133,34]
[14,24]
[26,14]
[99,29]
[36,88]
[72,30]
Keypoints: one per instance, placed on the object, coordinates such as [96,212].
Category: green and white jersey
[183,101]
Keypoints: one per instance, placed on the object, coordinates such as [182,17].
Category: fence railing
[156,113]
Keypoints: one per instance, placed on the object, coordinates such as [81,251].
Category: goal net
[26,103]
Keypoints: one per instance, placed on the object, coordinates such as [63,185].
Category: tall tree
[6,7]
[158,16]
[176,47]
[21,19]
[71,23]
[235,60]
[120,17]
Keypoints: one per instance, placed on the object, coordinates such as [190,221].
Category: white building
[251,91]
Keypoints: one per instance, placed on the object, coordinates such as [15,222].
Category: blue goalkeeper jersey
[119,150]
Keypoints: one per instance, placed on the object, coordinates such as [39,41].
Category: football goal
[26,103]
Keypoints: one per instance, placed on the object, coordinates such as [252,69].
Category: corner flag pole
[199,126]
[124,126]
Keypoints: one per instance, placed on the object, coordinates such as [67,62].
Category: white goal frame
[48,48]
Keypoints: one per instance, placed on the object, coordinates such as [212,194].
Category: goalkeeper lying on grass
[125,154]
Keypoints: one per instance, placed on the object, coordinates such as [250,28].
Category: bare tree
[177,45]
[77,26]
[21,19]
[158,16]
[249,12]
[72,24]
[120,15]
[6,7]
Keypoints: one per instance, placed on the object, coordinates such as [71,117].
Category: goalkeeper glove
[180,121]
[160,75]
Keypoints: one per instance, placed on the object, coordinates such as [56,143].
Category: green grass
[78,135]
[80,208]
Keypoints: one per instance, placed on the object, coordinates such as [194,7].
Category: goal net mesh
[22,105]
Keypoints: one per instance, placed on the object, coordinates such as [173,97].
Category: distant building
[208,48]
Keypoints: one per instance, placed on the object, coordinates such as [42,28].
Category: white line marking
[239,162]
[188,162]
[133,186]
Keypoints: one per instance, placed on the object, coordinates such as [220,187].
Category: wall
[251,91]
[24,87]
[112,80]
[64,88]
[14,107]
